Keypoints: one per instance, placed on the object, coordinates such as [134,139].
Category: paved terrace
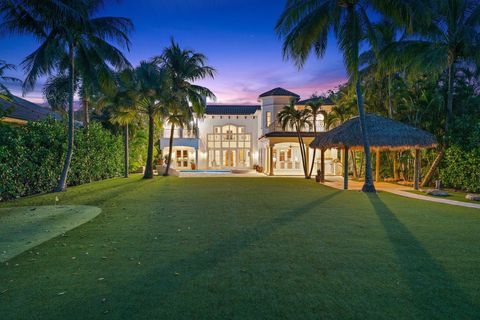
[337,182]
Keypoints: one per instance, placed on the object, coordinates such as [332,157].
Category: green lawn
[243,248]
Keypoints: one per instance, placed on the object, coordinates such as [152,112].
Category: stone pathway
[337,182]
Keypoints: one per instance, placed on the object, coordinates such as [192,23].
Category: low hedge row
[31,157]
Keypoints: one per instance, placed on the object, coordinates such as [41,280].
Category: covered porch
[184,152]
[281,155]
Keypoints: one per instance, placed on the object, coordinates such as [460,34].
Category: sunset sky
[237,36]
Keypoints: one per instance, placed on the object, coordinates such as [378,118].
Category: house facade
[241,137]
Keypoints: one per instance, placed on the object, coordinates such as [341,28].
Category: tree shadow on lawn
[147,289]
[435,294]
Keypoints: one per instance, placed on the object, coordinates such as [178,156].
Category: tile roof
[279,92]
[25,110]
[232,109]
[290,134]
[326,102]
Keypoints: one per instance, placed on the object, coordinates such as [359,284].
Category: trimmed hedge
[461,169]
[31,157]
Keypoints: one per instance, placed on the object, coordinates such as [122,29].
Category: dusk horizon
[238,38]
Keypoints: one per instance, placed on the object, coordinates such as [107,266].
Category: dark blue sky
[236,35]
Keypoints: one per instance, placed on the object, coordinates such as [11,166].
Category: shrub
[461,169]
[31,157]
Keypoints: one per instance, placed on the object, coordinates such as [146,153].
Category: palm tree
[4,92]
[451,38]
[291,117]
[304,27]
[66,29]
[121,104]
[183,68]
[315,108]
[149,86]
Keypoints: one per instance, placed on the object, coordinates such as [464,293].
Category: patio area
[337,182]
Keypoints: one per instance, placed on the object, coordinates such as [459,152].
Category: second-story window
[268,118]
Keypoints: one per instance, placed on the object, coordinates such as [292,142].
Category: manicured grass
[243,248]
[452,195]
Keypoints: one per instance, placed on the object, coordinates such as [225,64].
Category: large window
[268,119]
[229,147]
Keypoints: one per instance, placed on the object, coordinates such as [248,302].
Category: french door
[181,158]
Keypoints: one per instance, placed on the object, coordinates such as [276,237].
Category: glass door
[181,159]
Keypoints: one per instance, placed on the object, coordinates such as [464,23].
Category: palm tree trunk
[368,186]
[86,118]
[302,153]
[62,183]
[448,120]
[126,152]
[170,150]
[451,71]
[149,166]
[314,149]
[390,104]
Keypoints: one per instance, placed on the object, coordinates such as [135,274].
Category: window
[268,118]
[229,146]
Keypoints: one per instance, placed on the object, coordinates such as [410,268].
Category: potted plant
[159,160]
[193,165]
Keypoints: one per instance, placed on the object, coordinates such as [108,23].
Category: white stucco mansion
[239,137]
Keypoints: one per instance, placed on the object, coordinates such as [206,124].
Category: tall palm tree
[121,104]
[291,117]
[305,25]
[315,108]
[4,92]
[183,67]
[148,86]
[451,38]
[66,29]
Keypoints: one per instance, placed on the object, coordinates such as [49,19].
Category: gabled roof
[231,109]
[326,102]
[279,92]
[25,110]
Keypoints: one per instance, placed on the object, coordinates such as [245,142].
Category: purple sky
[236,35]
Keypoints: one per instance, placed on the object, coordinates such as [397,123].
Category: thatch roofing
[383,133]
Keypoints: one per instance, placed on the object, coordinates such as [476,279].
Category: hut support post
[377,166]
[322,165]
[345,169]
[416,183]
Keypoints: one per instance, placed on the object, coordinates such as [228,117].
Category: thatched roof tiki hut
[384,135]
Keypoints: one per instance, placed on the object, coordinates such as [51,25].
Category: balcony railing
[180,134]
[276,127]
